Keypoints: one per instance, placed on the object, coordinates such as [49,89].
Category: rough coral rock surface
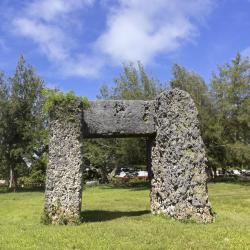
[179,184]
[64,171]
[119,118]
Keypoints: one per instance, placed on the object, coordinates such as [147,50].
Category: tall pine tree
[23,122]
[231,96]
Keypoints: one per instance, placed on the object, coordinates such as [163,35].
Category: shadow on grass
[102,215]
[134,186]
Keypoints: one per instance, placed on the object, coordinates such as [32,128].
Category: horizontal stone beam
[119,118]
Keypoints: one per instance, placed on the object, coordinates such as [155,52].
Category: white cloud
[51,9]
[46,23]
[135,30]
[50,39]
[139,30]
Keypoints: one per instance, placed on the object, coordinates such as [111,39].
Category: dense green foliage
[231,100]
[22,130]
[199,91]
[119,218]
[224,111]
[61,100]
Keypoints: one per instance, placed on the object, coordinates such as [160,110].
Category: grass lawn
[119,218]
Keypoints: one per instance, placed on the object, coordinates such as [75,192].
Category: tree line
[224,113]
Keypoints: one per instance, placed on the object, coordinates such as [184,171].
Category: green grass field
[119,218]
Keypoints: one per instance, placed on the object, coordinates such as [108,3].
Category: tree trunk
[214,172]
[112,174]
[104,175]
[12,180]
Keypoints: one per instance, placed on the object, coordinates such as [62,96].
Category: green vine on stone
[59,215]
[63,106]
[62,100]
[46,218]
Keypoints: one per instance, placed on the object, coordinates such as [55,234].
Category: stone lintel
[119,118]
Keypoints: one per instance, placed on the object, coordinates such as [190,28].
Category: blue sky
[80,44]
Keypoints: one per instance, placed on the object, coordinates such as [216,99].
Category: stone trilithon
[175,150]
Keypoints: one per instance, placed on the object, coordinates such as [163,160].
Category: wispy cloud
[134,30]
[50,10]
[139,30]
[47,23]
[50,38]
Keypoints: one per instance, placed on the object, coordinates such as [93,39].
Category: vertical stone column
[179,184]
[63,194]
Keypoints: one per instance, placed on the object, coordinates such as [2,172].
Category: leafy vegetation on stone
[61,100]
[59,216]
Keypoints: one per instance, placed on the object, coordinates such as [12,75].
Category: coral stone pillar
[179,184]
[63,192]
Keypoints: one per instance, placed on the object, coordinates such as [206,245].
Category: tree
[134,83]
[192,83]
[22,142]
[231,96]
[210,131]
[4,130]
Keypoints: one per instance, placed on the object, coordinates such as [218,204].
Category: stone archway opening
[116,160]
[176,154]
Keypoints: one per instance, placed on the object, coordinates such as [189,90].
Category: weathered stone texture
[179,187]
[64,172]
[176,155]
[118,119]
